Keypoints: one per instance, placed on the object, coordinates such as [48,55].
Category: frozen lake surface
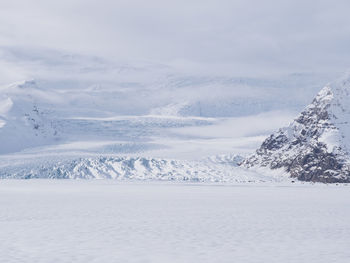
[109,221]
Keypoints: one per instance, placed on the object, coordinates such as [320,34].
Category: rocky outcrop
[315,146]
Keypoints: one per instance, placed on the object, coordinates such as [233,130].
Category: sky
[248,37]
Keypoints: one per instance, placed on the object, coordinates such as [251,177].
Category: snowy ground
[109,221]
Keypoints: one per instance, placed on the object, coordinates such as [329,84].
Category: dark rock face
[304,150]
[318,166]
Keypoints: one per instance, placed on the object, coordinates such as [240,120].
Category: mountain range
[152,122]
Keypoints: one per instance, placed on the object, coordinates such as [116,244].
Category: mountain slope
[23,121]
[315,146]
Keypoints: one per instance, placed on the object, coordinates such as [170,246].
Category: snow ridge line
[136,168]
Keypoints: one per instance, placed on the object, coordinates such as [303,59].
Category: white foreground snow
[109,221]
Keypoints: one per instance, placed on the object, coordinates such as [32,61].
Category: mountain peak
[316,145]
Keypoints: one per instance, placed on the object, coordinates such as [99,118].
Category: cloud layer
[241,36]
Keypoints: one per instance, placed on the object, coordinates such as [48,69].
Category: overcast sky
[269,36]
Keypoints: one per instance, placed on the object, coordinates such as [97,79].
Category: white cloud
[255,37]
[239,127]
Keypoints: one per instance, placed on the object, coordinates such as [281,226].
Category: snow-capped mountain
[92,112]
[316,145]
[25,123]
[131,108]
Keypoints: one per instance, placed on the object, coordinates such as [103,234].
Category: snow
[319,132]
[79,96]
[331,140]
[172,147]
[5,106]
[91,110]
[45,120]
[106,221]
[340,110]
[217,169]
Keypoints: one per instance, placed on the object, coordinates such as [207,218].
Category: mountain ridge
[315,146]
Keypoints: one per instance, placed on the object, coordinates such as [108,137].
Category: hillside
[315,146]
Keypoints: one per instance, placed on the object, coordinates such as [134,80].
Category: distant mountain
[23,122]
[316,145]
[48,110]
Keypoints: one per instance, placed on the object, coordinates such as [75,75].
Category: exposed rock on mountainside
[315,146]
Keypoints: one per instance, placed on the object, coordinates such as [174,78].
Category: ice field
[174,131]
[110,221]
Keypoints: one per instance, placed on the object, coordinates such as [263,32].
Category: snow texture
[138,169]
[157,124]
[107,221]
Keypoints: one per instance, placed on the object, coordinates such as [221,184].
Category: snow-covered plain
[107,221]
